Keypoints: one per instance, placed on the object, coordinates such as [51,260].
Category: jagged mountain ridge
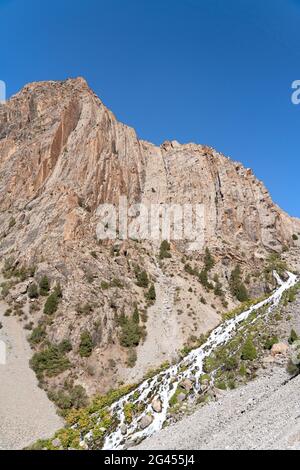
[58,138]
[62,153]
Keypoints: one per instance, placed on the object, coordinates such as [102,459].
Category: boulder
[279,348]
[186,384]
[146,421]
[156,405]
[181,397]
[19,290]
[123,430]
[56,442]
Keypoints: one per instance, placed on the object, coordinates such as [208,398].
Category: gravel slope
[265,414]
[26,414]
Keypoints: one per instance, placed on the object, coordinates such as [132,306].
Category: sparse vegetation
[131,332]
[51,304]
[86,344]
[274,263]
[293,337]
[237,287]
[44,286]
[209,261]
[51,361]
[71,397]
[33,291]
[164,250]
[142,279]
[37,335]
[151,295]
[249,352]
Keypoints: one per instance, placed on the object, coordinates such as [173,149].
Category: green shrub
[12,222]
[295,237]
[8,269]
[131,332]
[275,263]
[209,261]
[164,250]
[131,358]
[249,352]
[203,278]
[188,268]
[231,363]
[44,286]
[37,335]
[52,361]
[292,368]
[104,285]
[293,337]
[58,291]
[141,278]
[136,315]
[73,397]
[86,344]
[117,283]
[33,291]
[51,304]
[269,343]
[218,287]
[128,412]
[237,288]
[65,346]
[221,385]
[151,294]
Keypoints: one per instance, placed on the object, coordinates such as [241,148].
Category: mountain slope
[62,153]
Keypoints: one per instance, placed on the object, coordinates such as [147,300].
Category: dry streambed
[26,414]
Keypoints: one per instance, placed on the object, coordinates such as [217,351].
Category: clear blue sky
[214,72]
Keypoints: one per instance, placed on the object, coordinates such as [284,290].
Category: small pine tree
[58,290]
[237,288]
[242,293]
[51,304]
[44,286]
[203,278]
[218,287]
[151,294]
[33,291]
[86,344]
[142,279]
[209,261]
[164,251]
[136,315]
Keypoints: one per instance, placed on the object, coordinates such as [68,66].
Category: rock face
[62,154]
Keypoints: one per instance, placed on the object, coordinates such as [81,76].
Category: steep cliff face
[62,153]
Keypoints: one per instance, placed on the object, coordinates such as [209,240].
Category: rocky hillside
[100,314]
[239,419]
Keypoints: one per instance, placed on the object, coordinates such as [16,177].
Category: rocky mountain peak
[62,154]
